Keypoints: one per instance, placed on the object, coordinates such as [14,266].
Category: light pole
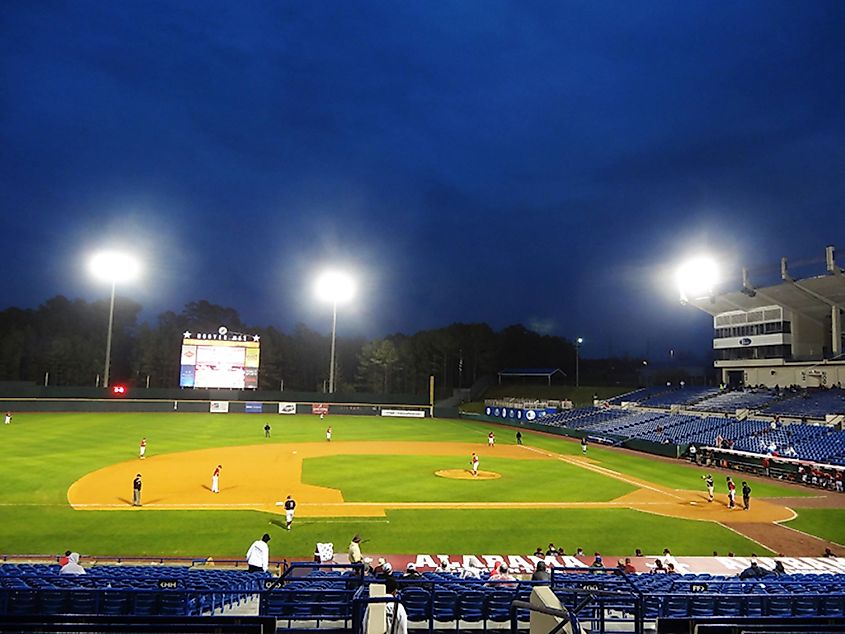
[334,287]
[578,343]
[112,267]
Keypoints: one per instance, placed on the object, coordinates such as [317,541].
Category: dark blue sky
[536,162]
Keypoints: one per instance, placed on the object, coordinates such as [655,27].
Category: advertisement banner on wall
[287,408]
[252,407]
[404,413]
[319,408]
[219,407]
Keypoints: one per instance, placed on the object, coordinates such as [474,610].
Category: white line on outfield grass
[603,470]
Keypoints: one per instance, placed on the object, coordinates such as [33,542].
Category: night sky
[544,163]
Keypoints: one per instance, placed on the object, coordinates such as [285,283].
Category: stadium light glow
[338,288]
[113,267]
[697,277]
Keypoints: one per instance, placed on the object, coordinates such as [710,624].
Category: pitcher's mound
[466,474]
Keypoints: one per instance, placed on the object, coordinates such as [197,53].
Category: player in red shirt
[143,449]
[215,480]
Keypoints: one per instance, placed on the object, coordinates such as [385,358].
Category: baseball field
[403,484]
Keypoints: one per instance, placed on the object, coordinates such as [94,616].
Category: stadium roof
[812,297]
[546,373]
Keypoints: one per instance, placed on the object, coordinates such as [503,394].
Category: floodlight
[113,266]
[335,286]
[697,277]
[579,340]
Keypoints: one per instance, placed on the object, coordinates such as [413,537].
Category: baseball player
[731,493]
[7,418]
[328,434]
[215,479]
[143,448]
[290,505]
[491,439]
[474,464]
[584,445]
[267,430]
[136,490]
[708,481]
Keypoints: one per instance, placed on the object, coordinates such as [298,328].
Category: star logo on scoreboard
[187,334]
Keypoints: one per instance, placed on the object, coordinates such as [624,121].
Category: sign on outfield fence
[219,407]
[287,408]
[404,413]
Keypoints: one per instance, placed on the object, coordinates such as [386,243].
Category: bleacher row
[818,443]
[122,590]
[306,593]
[806,403]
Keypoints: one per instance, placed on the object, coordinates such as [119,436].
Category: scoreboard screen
[219,361]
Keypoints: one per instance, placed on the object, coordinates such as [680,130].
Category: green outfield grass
[828,524]
[409,479]
[43,454]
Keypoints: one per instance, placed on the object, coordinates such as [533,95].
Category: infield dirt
[260,476]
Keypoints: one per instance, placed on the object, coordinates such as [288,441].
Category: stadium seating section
[603,599]
[709,414]
[122,590]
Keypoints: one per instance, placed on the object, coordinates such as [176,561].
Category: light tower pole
[334,287]
[578,343]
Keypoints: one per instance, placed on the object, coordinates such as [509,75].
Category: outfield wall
[24,391]
[273,408]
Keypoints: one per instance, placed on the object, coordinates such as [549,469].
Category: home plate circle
[466,474]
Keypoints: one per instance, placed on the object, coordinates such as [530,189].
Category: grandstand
[334,596]
[786,334]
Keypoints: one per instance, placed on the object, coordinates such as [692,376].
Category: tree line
[64,341]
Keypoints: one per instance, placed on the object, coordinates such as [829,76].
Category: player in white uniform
[7,418]
[143,448]
[290,505]
[474,463]
[215,480]
[491,439]
[329,434]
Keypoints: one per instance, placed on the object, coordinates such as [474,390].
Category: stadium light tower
[578,343]
[335,287]
[696,278]
[114,267]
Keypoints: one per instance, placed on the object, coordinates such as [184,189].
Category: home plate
[694,503]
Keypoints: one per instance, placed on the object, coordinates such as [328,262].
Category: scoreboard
[219,360]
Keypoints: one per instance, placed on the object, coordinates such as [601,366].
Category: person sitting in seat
[541,573]
[753,572]
[502,574]
[72,567]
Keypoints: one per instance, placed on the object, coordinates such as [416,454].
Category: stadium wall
[811,374]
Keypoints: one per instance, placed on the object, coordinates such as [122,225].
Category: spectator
[629,568]
[258,555]
[551,550]
[503,575]
[828,553]
[355,556]
[638,553]
[64,558]
[396,618]
[72,567]
[658,566]
[411,572]
[753,572]
[541,573]
[597,562]
[579,552]
[779,569]
[670,569]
